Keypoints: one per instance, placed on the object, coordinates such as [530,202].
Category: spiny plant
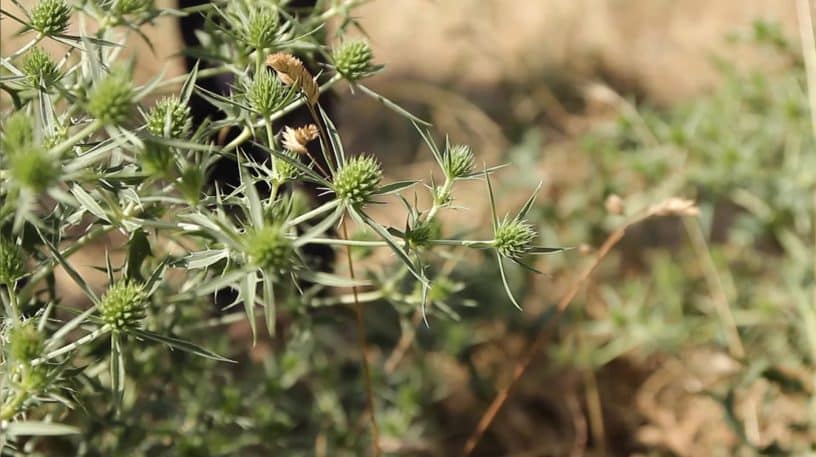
[87,153]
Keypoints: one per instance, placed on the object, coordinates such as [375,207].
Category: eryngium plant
[89,155]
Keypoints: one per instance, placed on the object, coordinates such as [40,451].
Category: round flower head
[458,161]
[50,17]
[40,69]
[514,238]
[33,169]
[353,60]
[357,180]
[12,263]
[111,100]
[124,306]
[270,249]
[19,132]
[25,342]
[261,29]
[126,7]
[169,117]
[266,94]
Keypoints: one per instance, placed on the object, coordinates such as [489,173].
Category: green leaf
[492,200]
[330,280]
[117,372]
[255,215]
[189,85]
[335,140]
[69,269]
[546,250]
[320,227]
[248,290]
[529,203]
[392,242]
[203,259]
[181,345]
[395,187]
[269,304]
[88,203]
[505,283]
[35,428]
[428,139]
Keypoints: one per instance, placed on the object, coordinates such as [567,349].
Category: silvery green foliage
[87,153]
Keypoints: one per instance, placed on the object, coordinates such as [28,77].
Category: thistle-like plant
[89,155]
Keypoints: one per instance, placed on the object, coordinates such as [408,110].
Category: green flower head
[269,248]
[40,69]
[19,132]
[357,180]
[25,342]
[261,29]
[458,161]
[267,94]
[111,100]
[170,118]
[32,168]
[124,306]
[50,17]
[12,261]
[353,60]
[514,238]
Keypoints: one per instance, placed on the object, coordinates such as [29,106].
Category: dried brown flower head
[675,207]
[293,73]
[296,139]
[614,204]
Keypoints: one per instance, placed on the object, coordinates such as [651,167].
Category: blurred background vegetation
[696,336]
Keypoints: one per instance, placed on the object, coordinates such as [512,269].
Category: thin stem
[446,188]
[325,140]
[719,296]
[15,308]
[71,142]
[245,134]
[313,213]
[595,410]
[71,346]
[24,48]
[382,244]
[10,409]
[358,307]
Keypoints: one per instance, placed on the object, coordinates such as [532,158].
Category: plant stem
[24,48]
[15,308]
[71,346]
[719,296]
[10,408]
[361,335]
[245,134]
[437,204]
[71,142]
